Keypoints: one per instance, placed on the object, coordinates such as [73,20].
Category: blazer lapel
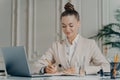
[77,53]
[63,55]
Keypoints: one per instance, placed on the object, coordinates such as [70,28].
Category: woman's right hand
[51,69]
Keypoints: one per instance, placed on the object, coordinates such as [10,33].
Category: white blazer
[87,48]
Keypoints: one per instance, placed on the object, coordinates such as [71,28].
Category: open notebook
[61,74]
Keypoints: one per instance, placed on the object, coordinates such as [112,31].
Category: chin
[68,36]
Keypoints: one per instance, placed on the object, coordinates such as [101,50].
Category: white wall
[44,25]
[5,22]
[90,13]
[5,25]
[109,8]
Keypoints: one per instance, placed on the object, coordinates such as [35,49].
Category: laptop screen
[15,61]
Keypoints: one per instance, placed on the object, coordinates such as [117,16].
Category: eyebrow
[63,24]
[69,23]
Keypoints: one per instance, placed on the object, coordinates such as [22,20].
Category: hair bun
[69,7]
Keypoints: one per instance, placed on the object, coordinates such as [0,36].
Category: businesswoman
[74,52]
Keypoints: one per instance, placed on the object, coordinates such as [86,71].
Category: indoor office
[59,39]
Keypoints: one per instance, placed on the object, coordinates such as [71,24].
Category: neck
[70,40]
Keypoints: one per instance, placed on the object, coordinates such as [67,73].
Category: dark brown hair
[69,10]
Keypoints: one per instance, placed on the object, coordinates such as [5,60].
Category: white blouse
[70,48]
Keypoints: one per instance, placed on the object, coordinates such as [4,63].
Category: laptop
[16,62]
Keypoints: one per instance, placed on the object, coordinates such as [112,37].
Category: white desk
[91,77]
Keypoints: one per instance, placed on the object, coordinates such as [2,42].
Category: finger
[48,69]
[66,72]
[51,70]
[72,68]
[53,67]
[69,70]
[49,62]
[50,66]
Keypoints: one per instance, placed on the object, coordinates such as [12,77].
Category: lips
[67,33]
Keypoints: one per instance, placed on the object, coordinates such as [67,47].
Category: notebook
[16,62]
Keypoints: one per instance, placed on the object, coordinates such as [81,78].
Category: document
[61,74]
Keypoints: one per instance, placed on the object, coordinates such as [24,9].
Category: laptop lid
[15,61]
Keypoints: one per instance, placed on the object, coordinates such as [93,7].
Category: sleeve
[98,60]
[40,64]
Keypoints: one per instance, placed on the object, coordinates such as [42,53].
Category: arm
[98,60]
[40,64]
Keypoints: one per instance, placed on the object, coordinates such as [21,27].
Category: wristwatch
[42,70]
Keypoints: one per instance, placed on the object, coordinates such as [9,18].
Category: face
[70,26]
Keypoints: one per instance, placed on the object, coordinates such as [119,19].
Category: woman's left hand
[70,70]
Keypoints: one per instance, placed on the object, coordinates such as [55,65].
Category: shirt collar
[74,41]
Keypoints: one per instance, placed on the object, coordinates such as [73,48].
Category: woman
[75,54]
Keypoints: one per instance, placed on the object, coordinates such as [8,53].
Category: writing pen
[60,66]
[49,63]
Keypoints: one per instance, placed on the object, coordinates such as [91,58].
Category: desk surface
[91,77]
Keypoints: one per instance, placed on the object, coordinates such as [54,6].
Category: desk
[57,78]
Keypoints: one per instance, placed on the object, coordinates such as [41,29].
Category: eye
[63,26]
[71,25]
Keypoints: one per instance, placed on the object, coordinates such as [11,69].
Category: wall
[5,24]
[44,25]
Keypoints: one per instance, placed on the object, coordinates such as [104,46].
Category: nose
[67,28]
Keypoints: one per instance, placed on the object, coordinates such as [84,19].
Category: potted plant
[110,34]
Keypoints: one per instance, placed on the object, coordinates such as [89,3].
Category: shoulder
[87,41]
[58,43]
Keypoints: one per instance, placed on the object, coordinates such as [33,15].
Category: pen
[61,66]
[116,58]
[49,63]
